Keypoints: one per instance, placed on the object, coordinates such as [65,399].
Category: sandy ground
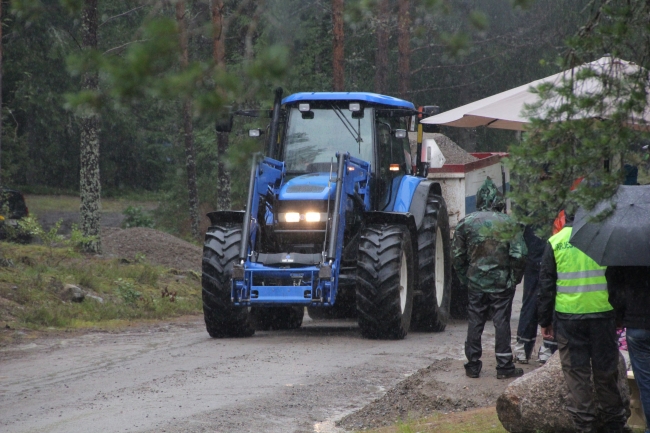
[171,377]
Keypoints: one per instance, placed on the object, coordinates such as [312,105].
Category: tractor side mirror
[224,123]
[428,111]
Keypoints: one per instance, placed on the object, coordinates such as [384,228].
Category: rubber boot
[519,353]
[544,354]
[517,372]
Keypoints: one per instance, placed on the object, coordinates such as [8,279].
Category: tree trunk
[219,55]
[250,32]
[0,92]
[223,200]
[381,56]
[404,47]
[337,46]
[90,184]
[188,133]
[219,34]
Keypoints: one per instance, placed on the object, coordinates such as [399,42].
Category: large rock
[72,293]
[536,402]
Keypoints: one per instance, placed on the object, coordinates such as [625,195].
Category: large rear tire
[266,318]
[432,301]
[385,281]
[220,252]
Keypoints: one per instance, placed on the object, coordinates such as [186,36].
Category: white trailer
[460,182]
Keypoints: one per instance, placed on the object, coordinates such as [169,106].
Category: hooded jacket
[489,252]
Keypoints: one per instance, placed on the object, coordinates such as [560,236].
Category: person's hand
[547,332]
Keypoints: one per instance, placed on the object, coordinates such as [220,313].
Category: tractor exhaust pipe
[334,232]
[275,121]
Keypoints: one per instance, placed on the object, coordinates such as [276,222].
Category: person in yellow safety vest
[573,288]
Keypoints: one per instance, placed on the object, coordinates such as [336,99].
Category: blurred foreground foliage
[459,52]
[587,134]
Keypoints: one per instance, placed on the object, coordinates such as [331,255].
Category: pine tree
[90,185]
[188,132]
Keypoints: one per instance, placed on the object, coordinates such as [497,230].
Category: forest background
[162,64]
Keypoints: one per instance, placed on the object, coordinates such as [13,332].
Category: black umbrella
[621,239]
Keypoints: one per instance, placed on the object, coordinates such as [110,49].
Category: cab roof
[374,98]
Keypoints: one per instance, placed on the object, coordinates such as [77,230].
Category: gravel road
[172,377]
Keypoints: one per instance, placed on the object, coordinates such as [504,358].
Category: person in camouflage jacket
[489,255]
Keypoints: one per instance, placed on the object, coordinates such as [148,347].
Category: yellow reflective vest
[581,283]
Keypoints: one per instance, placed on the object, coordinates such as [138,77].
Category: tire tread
[378,277]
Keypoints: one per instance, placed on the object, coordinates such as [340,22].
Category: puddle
[327,427]
[22,347]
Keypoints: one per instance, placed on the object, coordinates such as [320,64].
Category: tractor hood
[312,186]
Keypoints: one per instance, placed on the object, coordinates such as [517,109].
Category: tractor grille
[305,188]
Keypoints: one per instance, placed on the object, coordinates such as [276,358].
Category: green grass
[30,291]
[107,193]
[483,420]
[39,204]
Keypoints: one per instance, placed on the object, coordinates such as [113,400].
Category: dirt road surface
[172,377]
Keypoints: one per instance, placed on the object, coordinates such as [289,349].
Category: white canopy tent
[504,110]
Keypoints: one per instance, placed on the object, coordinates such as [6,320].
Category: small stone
[6,263]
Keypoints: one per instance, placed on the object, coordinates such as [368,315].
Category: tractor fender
[419,201]
[226,216]
[403,188]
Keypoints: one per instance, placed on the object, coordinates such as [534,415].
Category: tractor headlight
[312,217]
[292,217]
[295,217]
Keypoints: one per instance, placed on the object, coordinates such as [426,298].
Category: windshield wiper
[348,125]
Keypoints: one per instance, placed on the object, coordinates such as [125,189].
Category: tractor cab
[369,127]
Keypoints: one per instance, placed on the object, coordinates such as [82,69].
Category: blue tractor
[339,220]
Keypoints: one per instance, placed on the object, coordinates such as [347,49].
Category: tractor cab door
[393,159]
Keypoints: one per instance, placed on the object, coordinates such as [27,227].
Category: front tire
[432,302]
[220,252]
[385,281]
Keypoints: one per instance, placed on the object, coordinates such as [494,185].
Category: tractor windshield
[313,138]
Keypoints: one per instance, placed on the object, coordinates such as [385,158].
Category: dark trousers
[527,328]
[638,344]
[478,311]
[590,346]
